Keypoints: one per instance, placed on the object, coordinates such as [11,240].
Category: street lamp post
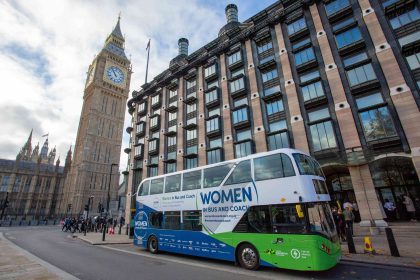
[107,201]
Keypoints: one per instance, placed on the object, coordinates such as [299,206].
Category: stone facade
[33,184]
[94,171]
[337,79]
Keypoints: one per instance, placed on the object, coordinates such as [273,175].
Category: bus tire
[152,244]
[248,257]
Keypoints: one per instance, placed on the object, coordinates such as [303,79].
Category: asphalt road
[127,262]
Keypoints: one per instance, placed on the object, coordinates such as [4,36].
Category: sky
[46,47]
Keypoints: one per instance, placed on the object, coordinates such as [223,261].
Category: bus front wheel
[152,245]
[248,257]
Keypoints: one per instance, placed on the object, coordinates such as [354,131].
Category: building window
[17,182]
[214,112]
[211,96]
[173,93]
[243,149]
[336,6]
[155,99]
[275,106]
[191,108]
[243,135]
[235,57]
[191,163]
[411,38]
[312,91]
[142,107]
[153,145]
[27,184]
[140,128]
[153,171]
[138,150]
[269,75]
[348,37]
[304,56]
[414,61]
[240,102]
[191,86]
[172,116]
[237,72]
[361,74]
[215,142]
[322,131]
[154,121]
[296,26]
[214,83]
[191,134]
[212,125]
[405,18]
[355,59]
[264,46]
[170,167]
[240,115]
[237,85]
[4,183]
[278,125]
[376,121]
[278,140]
[210,70]
[214,156]
[171,141]
[192,150]
[309,76]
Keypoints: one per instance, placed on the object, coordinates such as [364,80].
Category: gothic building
[338,79]
[33,183]
[94,171]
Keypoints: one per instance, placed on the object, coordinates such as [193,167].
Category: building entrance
[393,178]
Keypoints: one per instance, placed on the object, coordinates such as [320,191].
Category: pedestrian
[339,223]
[347,204]
[356,212]
[348,218]
[390,209]
[417,206]
[409,206]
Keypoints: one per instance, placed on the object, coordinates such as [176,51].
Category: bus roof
[287,151]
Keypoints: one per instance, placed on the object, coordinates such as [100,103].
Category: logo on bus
[140,223]
[234,195]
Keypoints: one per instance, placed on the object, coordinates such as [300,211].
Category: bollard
[37,223]
[368,246]
[29,223]
[103,232]
[391,242]
[20,223]
[54,222]
[10,223]
[350,242]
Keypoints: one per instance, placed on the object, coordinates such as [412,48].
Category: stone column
[201,130]
[401,95]
[146,137]
[259,132]
[163,126]
[296,120]
[367,200]
[180,130]
[227,123]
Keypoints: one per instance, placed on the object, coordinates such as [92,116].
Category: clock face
[115,74]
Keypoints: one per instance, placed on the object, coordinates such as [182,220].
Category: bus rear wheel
[248,257]
[152,245]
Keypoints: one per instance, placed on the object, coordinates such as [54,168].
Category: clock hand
[113,71]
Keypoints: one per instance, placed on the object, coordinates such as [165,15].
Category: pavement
[16,263]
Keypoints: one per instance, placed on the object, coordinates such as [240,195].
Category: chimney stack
[231,12]
[183,46]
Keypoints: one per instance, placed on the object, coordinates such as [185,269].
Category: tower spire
[117,29]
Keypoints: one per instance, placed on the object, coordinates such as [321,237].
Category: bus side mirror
[299,211]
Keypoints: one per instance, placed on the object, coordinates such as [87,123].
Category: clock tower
[94,169]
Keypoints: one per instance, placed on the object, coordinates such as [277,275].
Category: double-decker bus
[264,209]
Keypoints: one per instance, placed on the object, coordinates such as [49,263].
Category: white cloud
[47,46]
